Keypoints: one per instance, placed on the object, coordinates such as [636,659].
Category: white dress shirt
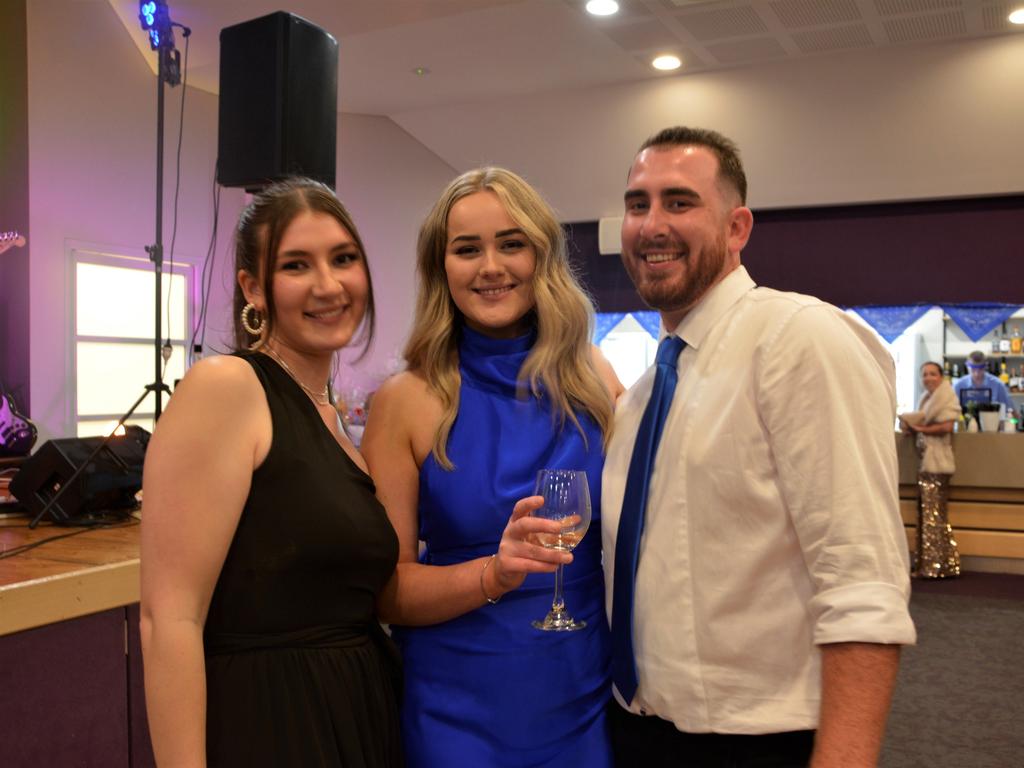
[773,519]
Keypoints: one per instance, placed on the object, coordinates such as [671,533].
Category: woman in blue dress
[501,382]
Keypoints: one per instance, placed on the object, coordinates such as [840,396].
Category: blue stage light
[156,21]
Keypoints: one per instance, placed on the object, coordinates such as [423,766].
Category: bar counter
[986,498]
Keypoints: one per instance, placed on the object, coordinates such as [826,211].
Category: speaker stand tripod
[168,71]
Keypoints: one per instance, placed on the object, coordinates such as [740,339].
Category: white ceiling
[477,50]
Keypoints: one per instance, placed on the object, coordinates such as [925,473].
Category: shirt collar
[702,318]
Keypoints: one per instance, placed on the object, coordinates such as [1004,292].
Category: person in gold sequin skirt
[937,555]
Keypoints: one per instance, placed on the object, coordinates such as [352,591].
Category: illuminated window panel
[118,302]
[630,349]
[87,428]
[112,375]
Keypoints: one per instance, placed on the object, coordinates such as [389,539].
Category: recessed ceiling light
[667,62]
[602,7]
[1017,17]
[420,71]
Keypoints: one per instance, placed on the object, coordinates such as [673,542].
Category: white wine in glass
[567,499]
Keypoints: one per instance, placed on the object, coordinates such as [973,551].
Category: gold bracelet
[491,600]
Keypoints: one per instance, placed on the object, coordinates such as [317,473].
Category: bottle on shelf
[946,372]
[1016,341]
[1004,376]
[956,371]
[997,334]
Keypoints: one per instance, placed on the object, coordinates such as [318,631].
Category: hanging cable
[167,348]
[207,277]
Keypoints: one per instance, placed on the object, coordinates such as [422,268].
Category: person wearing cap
[979,378]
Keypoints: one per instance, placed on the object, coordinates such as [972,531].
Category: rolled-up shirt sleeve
[826,395]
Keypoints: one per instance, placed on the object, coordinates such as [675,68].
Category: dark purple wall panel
[63,694]
[142,749]
[604,277]
[899,253]
[895,253]
[14,268]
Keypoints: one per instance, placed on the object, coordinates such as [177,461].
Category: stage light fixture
[155,19]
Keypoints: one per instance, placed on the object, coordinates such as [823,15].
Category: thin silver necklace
[320,398]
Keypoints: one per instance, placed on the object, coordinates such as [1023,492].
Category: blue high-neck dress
[487,689]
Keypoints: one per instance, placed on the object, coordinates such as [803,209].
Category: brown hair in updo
[258,237]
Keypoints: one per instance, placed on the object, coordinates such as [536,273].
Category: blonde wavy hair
[560,365]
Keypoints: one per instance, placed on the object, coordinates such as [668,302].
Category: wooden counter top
[982,460]
[91,571]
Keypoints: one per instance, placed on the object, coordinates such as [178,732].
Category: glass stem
[558,604]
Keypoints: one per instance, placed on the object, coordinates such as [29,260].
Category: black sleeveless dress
[298,671]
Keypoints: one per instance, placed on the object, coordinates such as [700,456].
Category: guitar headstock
[11,240]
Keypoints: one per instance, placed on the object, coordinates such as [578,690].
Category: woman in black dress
[263,546]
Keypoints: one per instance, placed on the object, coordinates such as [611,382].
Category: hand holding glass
[567,499]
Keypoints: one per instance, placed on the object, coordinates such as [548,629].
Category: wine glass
[566,498]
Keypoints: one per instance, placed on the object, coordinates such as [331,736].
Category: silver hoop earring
[247,322]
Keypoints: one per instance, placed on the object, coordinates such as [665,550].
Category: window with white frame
[113,329]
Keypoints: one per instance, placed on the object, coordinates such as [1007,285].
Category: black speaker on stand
[278,112]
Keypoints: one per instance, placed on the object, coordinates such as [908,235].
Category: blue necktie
[631,522]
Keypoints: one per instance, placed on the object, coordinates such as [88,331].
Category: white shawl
[937,450]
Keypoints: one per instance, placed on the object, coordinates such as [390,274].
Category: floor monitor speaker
[278,113]
[108,485]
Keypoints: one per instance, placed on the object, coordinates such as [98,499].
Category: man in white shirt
[771,568]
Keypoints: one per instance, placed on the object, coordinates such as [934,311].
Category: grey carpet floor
[959,700]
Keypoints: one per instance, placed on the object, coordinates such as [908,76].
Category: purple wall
[894,253]
[14,342]
[64,694]
[897,253]
[603,276]
[71,694]
[138,725]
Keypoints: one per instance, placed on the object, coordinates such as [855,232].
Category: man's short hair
[977,357]
[730,169]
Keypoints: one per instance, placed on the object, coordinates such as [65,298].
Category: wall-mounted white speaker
[609,235]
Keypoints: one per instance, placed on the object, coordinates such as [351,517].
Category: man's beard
[672,292]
